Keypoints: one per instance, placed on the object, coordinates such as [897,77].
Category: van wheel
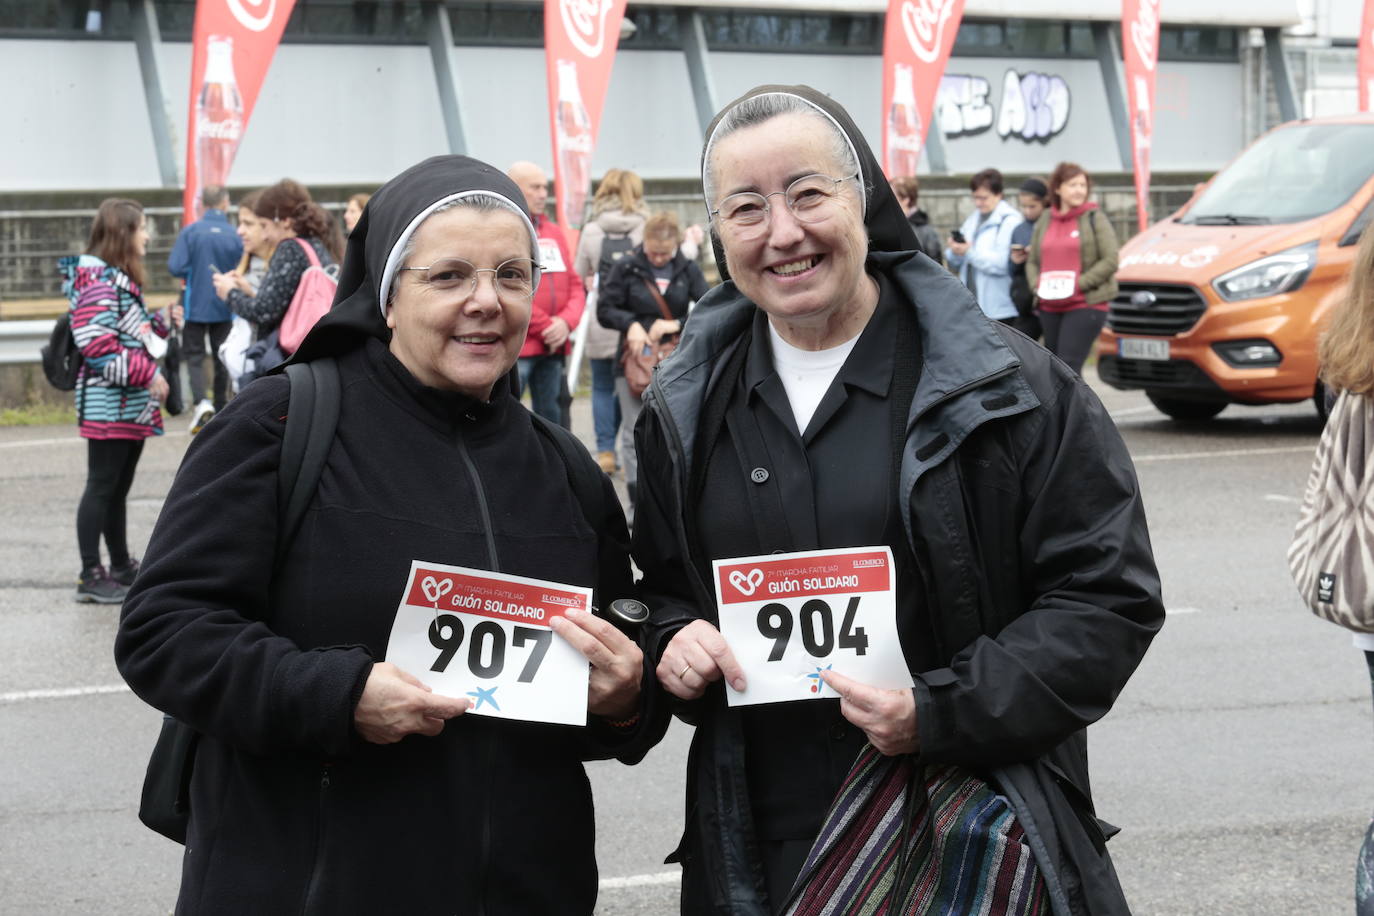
[1186,409]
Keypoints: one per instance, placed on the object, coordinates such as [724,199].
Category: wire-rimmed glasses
[811,199]
[513,280]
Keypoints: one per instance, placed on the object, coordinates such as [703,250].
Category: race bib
[550,258]
[486,636]
[1057,284]
[788,617]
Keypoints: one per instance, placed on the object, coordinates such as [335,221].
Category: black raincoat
[1022,510]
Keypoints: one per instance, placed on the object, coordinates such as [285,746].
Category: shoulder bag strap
[311,421]
[652,287]
[309,252]
[583,476]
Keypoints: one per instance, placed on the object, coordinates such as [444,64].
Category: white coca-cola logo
[226,129]
[254,15]
[1145,32]
[585,23]
[924,22]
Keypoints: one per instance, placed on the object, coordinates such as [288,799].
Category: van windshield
[1291,175]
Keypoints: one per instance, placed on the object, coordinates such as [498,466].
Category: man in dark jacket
[206,247]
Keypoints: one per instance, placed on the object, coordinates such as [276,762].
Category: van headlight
[1278,273]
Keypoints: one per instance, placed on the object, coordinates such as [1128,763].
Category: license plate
[1143,348]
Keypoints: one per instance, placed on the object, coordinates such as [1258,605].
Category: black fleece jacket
[292,812]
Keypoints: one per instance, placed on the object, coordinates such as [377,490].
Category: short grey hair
[764,107]
[478,201]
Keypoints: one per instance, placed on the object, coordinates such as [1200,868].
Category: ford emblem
[1143,299]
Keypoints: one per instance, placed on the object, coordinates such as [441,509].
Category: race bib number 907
[486,636]
[788,617]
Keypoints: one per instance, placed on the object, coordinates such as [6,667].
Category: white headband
[710,141]
[393,260]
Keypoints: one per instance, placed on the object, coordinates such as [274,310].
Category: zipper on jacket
[481,502]
[488,750]
[318,866]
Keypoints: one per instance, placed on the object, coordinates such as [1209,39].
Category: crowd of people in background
[1045,266]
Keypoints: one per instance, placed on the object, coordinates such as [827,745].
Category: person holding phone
[1072,266]
[1032,198]
[980,250]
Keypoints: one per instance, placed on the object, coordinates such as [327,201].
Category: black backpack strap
[583,474]
[311,419]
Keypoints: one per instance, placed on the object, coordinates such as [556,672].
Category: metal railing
[31,241]
[21,341]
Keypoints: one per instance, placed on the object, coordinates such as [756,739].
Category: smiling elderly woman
[840,392]
[328,780]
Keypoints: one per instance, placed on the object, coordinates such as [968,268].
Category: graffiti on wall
[962,106]
[1034,106]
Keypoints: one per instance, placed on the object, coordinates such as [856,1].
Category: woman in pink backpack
[288,213]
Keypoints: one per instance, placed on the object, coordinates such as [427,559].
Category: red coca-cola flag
[1365,61]
[231,49]
[580,37]
[1140,49]
[917,40]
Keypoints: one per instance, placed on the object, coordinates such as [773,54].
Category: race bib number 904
[486,636]
[788,617]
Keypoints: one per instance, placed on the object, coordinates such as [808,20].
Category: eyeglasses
[810,198]
[513,280]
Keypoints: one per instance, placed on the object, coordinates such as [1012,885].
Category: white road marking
[1127,411]
[655,880]
[1281,498]
[1228,453]
[73,440]
[62,693]
[1174,611]
[65,440]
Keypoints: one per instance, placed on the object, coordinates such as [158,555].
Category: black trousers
[1070,335]
[110,465]
[193,337]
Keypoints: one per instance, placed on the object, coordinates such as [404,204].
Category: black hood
[888,229]
[388,220]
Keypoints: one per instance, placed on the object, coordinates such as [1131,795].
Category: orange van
[1223,301]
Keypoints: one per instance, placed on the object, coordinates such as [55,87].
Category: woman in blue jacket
[983,257]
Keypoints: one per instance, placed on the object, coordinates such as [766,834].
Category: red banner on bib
[231,49]
[1365,60]
[802,577]
[917,41]
[580,37]
[1140,49]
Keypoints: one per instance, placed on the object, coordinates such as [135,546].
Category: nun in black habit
[328,780]
[841,390]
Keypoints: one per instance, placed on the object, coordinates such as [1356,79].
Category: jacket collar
[961,351]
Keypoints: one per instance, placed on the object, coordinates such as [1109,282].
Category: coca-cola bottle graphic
[219,118]
[574,145]
[903,126]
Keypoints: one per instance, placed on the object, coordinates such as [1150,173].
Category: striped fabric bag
[908,838]
[1332,554]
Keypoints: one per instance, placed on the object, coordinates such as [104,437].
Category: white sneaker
[201,415]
